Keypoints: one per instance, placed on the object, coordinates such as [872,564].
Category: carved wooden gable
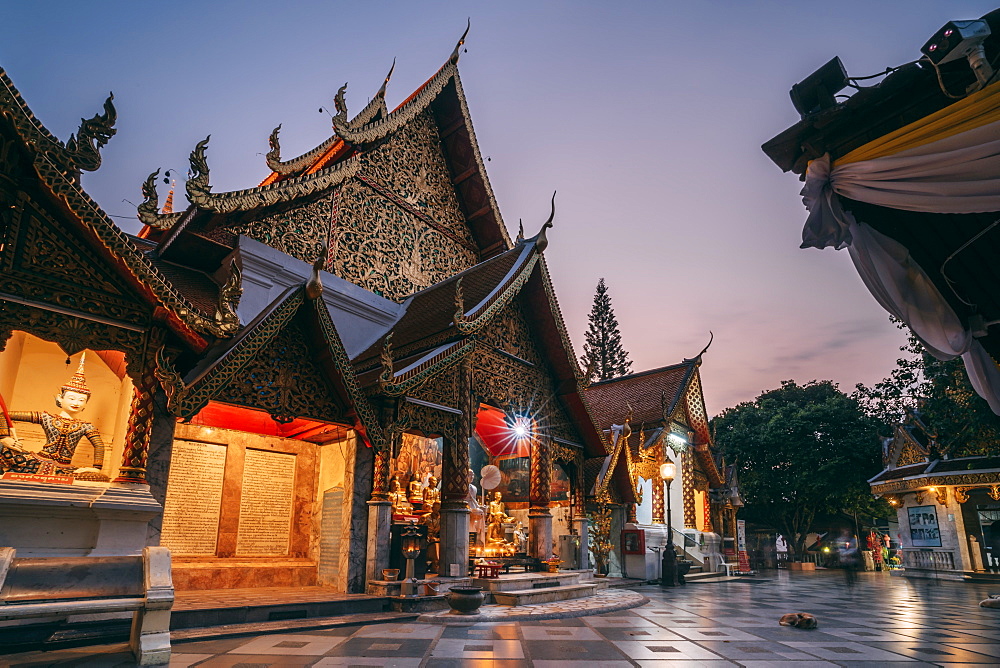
[300,230]
[286,379]
[398,226]
[511,372]
[45,258]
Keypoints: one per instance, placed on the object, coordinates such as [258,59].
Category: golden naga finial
[226,318]
[697,358]
[664,408]
[385,378]
[197,186]
[340,104]
[274,154]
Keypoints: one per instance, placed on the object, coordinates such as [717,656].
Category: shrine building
[277,383]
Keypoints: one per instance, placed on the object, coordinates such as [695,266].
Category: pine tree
[602,352]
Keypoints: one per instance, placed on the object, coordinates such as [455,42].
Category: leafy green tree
[963,423]
[603,353]
[801,450]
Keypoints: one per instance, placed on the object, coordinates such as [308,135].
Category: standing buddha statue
[63,432]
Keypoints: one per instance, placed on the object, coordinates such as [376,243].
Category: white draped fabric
[958,174]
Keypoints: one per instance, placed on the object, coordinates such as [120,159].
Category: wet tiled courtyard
[880,621]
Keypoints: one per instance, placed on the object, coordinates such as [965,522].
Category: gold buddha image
[397,497]
[63,432]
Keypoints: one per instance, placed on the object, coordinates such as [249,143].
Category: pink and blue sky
[647,117]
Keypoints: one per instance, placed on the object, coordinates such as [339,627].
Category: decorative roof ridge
[118,245]
[398,117]
[478,157]
[290,167]
[282,307]
[454,277]
[81,151]
[443,358]
[567,344]
[199,190]
[505,291]
[362,407]
[669,367]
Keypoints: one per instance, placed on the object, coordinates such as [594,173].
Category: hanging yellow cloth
[969,113]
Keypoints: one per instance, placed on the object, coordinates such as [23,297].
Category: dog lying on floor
[800,620]
[992,602]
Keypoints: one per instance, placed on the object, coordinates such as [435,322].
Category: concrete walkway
[880,621]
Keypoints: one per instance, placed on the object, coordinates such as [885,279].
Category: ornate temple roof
[654,395]
[297,306]
[335,160]
[58,165]
[660,398]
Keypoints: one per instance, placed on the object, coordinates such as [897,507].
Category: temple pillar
[657,495]
[687,489]
[539,516]
[379,514]
[140,418]
[454,546]
[582,524]
[709,525]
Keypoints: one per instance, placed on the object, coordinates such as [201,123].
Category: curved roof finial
[461,41]
[697,358]
[388,77]
[541,242]
[520,230]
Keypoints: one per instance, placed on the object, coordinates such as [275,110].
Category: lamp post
[668,563]
[411,550]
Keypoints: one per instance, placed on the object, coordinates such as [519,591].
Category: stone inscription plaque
[194,497]
[266,504]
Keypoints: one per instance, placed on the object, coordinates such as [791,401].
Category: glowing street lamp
[668,562]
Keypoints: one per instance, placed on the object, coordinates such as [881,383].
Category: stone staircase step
[546,595]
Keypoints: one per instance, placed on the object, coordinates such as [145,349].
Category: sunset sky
[646,117]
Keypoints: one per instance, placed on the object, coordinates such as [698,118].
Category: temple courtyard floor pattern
[880,621]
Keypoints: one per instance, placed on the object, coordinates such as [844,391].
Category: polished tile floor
[881,621]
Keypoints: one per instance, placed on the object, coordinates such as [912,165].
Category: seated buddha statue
[63,433]
[397,497]
[432,494]
[416,491]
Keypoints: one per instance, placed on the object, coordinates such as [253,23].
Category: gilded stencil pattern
[910,455]
[442,389]
[509,332]
[47,266]
[301,231]
[380,246]
[413,166]
[284,380]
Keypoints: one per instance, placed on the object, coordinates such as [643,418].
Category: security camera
[957,39]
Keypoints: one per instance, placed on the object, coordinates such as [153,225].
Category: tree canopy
[800,450]
[963,423]
[603,353]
